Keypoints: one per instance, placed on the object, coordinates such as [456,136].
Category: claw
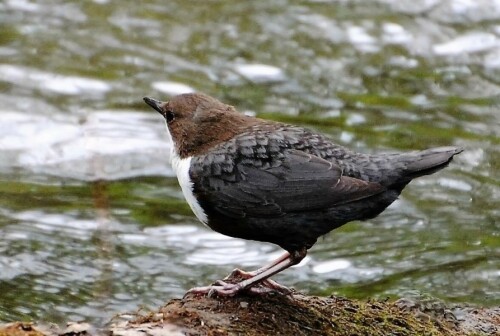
[224,289]
[270,284]
[220,288]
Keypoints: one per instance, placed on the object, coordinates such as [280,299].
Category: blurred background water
[92,221]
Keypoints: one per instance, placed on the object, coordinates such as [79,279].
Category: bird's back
[392,170]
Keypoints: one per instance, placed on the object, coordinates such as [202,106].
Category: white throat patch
[181,168]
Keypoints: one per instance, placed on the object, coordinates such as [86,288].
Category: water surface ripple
[92,221]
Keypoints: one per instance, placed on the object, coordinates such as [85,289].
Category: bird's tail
[396,170]
[415,164]
[428,161]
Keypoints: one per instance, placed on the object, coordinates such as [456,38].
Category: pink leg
[284,256]
[266,282]
[228,289]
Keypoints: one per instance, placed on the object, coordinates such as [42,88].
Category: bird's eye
[169,115]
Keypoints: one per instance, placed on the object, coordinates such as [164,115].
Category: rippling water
[92,221]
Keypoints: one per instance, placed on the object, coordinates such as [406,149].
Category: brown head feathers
[198,122]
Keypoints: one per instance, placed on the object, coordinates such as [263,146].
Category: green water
[92,221]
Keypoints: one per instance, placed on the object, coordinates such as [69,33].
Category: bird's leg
[267,282]
[228,289]
[239,272]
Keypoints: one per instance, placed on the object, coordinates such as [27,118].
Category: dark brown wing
[300,182]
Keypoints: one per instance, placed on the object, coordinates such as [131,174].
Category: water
[92,221]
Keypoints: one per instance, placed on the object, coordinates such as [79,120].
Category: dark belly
[293,231]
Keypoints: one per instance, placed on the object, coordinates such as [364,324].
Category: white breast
[181,168]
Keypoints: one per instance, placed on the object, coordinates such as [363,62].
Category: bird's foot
[219,288]
[256,282]
[225,289]
[267,283]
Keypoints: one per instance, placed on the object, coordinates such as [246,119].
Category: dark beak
[156,104]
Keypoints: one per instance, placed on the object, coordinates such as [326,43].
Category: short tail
[395,170]
[416,164]
[429,161]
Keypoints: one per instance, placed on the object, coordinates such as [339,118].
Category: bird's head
[197,122]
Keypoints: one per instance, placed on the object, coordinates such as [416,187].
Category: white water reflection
[455,184]
[260,73]
[359,38]
[172,88]
[468,44]
[331,265]
[45,81]
[395,34]
[102,145]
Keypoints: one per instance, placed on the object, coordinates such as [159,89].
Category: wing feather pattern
[301,182]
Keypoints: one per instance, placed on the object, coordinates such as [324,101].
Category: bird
[268,181]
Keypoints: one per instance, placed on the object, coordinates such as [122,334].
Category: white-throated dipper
[267,181]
